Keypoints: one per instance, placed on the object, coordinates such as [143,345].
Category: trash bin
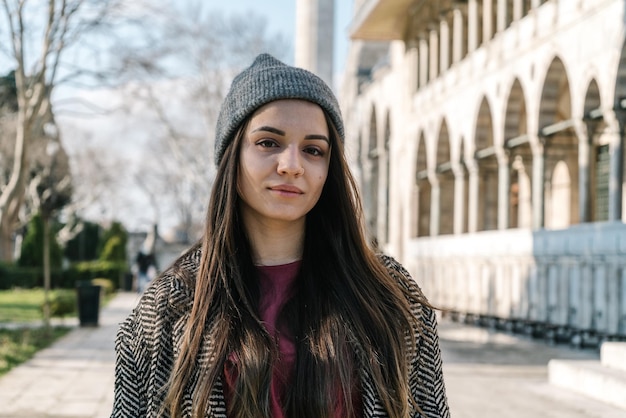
[88,302]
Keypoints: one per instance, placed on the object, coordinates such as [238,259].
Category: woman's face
[284,161]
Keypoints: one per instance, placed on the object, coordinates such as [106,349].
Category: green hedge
[62,303]
[89,270]
[31,254]
[28,277]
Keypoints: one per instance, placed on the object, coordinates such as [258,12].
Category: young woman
[282,309]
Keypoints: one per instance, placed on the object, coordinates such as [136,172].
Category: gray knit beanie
[266,80]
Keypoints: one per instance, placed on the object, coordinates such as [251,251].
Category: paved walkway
[495,375]
[488,375]
[73,377]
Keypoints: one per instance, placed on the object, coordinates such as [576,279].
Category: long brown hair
[348,312]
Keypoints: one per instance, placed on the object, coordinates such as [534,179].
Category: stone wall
[573,280]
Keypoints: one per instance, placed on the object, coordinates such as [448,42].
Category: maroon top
[276,288]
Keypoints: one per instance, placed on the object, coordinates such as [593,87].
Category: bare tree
[34,36]
[179,66]
[48,181]
[44,140]
[50,190]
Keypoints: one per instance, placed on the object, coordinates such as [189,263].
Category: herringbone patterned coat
[148,340]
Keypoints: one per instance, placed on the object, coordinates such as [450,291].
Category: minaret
[314,37]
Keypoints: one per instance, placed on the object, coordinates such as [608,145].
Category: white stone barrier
[562,284]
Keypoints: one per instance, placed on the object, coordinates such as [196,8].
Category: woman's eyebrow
[269,129]
[322,137]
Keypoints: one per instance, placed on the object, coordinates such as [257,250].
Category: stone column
[538,186]
[368,197]
[457,36]
[504,184]
[433,48]
[423,62]
[414,210]
[314,37]
[616,176]
[435,204]
[518,10]
[382,227]
[487,20]
[459,199]
[501,13]
[472,25]
[412,58]
[585,139]
[472,210]
[444,45]
[535,3]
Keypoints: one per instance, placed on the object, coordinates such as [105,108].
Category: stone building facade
[487,136]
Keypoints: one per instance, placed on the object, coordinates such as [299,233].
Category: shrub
[89,270]
[32,247]
[15,276]
[26,277]
[84,246]
[29,277]
[6,279]
[113,244]
[62,303]
[114,250]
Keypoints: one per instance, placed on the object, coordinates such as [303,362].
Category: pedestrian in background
[282,309]
[145,266]
[145,270]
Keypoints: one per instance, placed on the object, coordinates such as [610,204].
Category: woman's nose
[290,162]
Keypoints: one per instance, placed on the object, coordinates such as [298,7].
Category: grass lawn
[23,305]
[19,345]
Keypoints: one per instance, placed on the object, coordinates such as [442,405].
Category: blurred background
[487,138]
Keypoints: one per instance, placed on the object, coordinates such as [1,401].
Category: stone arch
[516,140]
[445,177]
[487,166]
[555,104]
[560,141]
[423,189]
[620,104]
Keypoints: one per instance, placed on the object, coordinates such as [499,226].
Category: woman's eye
[266,143]
[314,151]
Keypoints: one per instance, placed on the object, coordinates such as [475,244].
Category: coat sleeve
[427,384]
[426,375]
[129,398]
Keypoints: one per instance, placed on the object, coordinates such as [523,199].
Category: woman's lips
[287,189]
